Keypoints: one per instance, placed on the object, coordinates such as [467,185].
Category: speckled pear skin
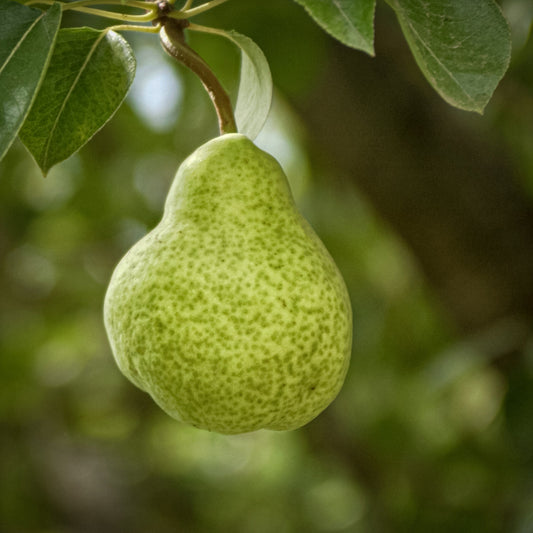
[231,313]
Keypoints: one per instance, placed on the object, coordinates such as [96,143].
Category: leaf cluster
[61,85]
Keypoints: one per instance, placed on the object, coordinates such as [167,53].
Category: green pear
[231,313]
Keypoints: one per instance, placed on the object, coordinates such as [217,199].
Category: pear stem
[173,41]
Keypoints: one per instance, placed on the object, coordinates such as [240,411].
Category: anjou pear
[231,313]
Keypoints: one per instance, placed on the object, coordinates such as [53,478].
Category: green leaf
[462,47]
[255,86]
[349,21]
[27,38]
[89,75]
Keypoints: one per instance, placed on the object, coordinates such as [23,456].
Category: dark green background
[428,212]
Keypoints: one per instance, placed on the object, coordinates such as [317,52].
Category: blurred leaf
[463,48]
[89,75]
[27,40]
[518,408]
[352,23]
[255,87]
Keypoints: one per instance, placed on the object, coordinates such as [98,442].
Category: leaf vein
[434,56]
[19,44]
[348,20]
[69,93]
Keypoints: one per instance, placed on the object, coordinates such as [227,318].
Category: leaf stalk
[83,6]
[186,13]
[173,41]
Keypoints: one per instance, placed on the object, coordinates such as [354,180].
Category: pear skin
[231,313]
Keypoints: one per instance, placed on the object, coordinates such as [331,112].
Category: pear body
[231,313]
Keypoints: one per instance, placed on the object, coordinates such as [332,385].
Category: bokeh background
[428,212]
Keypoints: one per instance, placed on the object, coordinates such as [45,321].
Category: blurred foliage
[426,435]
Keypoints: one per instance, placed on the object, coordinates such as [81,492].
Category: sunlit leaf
[89,75]
[255,87]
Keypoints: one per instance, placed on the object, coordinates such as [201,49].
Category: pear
[231,313]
